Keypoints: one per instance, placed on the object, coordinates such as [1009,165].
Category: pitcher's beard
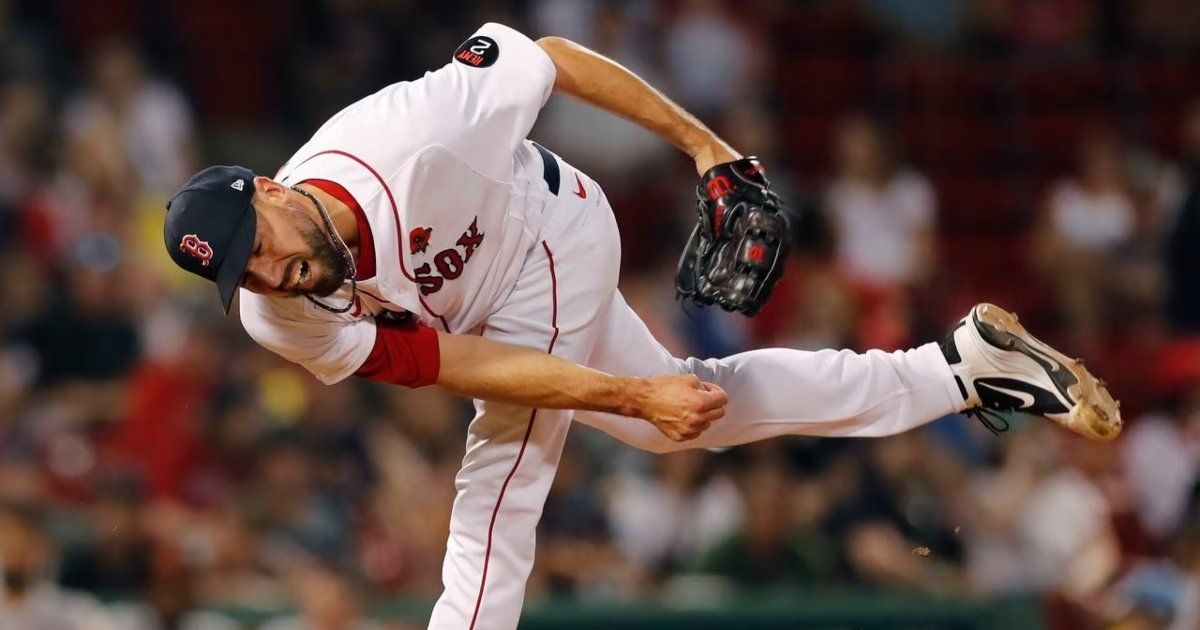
[333,266]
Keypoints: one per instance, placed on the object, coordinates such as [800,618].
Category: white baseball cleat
[1000,368]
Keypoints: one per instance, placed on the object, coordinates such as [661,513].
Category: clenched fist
[682,407]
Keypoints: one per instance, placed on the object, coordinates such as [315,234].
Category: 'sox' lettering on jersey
[429,282]
[449,263]
[199,249]
[471,239]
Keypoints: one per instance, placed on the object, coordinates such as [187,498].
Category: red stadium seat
[826,84]
[962,144]
[987,268]
[1062,87]
[927,86]
[980,205]
[810,140]
[1053,139]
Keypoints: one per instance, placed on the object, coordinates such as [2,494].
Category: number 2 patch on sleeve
[478,52]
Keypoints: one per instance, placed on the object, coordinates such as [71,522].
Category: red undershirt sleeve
[404,354]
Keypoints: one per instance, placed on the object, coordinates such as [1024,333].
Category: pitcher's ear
[269,187]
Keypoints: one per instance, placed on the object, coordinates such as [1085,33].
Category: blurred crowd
[1042,154]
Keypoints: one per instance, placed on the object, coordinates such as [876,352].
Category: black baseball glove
[737,251]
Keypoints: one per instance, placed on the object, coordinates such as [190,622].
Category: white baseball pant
[566,303]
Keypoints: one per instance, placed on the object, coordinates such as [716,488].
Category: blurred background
[158,470]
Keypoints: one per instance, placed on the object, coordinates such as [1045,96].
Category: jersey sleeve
[486,100]
[405,353]
[330,348]
[480,106]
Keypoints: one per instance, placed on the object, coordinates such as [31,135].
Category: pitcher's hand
[681,407]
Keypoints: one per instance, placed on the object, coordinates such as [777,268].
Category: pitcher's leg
[778,391]
[781,391]
[512,453]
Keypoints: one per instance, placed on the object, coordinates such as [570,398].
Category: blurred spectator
[159,436]
[30,598]
[1089,220]
[171,600]
[1161,455]
[403,532]
[113,557]
[662,521]
[326,601]
[1042,522]
[572,19]
[297,515]
[85,334]
[1063,529]
[883,213]
[883,216]
[1162,593]
[575,546]
[769,549]
[993,498]
[609,147]
[709,59]
[895,512]
[25,149]
[124,110]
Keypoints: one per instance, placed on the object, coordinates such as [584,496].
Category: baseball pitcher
[418,238]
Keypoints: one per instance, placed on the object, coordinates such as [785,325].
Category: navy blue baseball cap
[210,226]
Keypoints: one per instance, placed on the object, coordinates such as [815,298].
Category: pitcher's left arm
[738,248]
[606,84]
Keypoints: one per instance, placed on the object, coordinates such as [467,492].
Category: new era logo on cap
[239,185]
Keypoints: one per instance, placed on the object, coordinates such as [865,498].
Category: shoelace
[995,421]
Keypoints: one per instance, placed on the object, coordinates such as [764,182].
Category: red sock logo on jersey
[418,240]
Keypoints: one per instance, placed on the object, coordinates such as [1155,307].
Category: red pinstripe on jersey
[395,214]
[487,554]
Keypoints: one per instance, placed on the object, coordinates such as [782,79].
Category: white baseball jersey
[452,192]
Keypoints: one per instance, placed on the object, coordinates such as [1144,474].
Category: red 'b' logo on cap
[197,248]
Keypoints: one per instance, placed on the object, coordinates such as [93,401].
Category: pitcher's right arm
[680,406]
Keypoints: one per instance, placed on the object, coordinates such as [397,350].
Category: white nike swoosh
[1026,398]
